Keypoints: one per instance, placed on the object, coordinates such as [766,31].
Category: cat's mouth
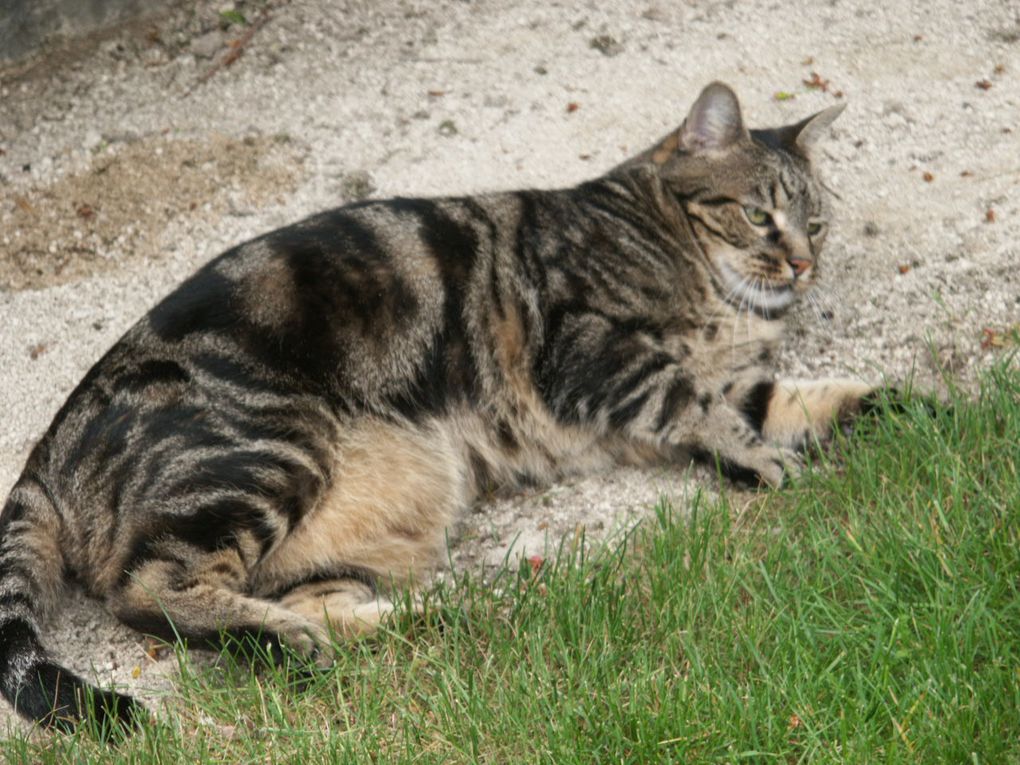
[755,292]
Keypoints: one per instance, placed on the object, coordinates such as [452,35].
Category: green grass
[868,614]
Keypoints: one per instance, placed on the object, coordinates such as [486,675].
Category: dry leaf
[995,338]
[817,83]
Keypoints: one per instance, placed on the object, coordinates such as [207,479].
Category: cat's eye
[814,229]
[756,215]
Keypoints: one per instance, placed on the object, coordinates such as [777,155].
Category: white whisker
[750,306]
[761,286]
[759,293]
[742,291]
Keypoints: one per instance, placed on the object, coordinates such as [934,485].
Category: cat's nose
[799,265]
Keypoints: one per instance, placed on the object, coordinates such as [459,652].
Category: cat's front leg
[721,434]
[676,412]
[797,413]
[624,382]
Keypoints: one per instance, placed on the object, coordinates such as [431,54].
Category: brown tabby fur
[295,427]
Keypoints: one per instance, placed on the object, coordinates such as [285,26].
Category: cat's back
[361,307]
[324,304]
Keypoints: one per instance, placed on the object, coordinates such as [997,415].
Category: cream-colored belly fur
[397,489]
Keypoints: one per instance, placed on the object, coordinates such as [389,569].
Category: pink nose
[799,265]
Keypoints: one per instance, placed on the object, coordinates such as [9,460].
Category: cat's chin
[756,293]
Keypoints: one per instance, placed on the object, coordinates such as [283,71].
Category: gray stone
[207,45]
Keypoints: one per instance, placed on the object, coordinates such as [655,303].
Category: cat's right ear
[714,122]
[804,134]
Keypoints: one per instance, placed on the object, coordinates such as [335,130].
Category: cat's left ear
[714,122]
[806,133]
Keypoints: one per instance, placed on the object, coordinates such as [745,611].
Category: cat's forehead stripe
[788,183]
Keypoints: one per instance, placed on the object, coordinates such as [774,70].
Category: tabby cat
[293,429]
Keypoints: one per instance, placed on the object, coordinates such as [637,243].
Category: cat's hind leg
[348,608]
[201,598]
[380,525]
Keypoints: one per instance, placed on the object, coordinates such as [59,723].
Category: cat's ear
[714,122]
[806,133]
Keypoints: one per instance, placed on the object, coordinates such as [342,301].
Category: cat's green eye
[814,229]
[756,215]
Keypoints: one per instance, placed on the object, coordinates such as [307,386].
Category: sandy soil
[124,164]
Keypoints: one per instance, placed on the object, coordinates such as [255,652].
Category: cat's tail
[31,579]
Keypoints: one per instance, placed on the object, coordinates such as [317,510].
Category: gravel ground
[125,162]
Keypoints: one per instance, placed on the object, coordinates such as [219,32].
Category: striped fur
[294,428]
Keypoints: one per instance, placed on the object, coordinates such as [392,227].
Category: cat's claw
[782,465]
[313,644]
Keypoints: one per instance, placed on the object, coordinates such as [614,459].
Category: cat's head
[755,207]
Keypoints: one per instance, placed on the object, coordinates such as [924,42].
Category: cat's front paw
[768,465]
[881,402]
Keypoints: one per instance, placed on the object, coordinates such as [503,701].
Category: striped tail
[31,578]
